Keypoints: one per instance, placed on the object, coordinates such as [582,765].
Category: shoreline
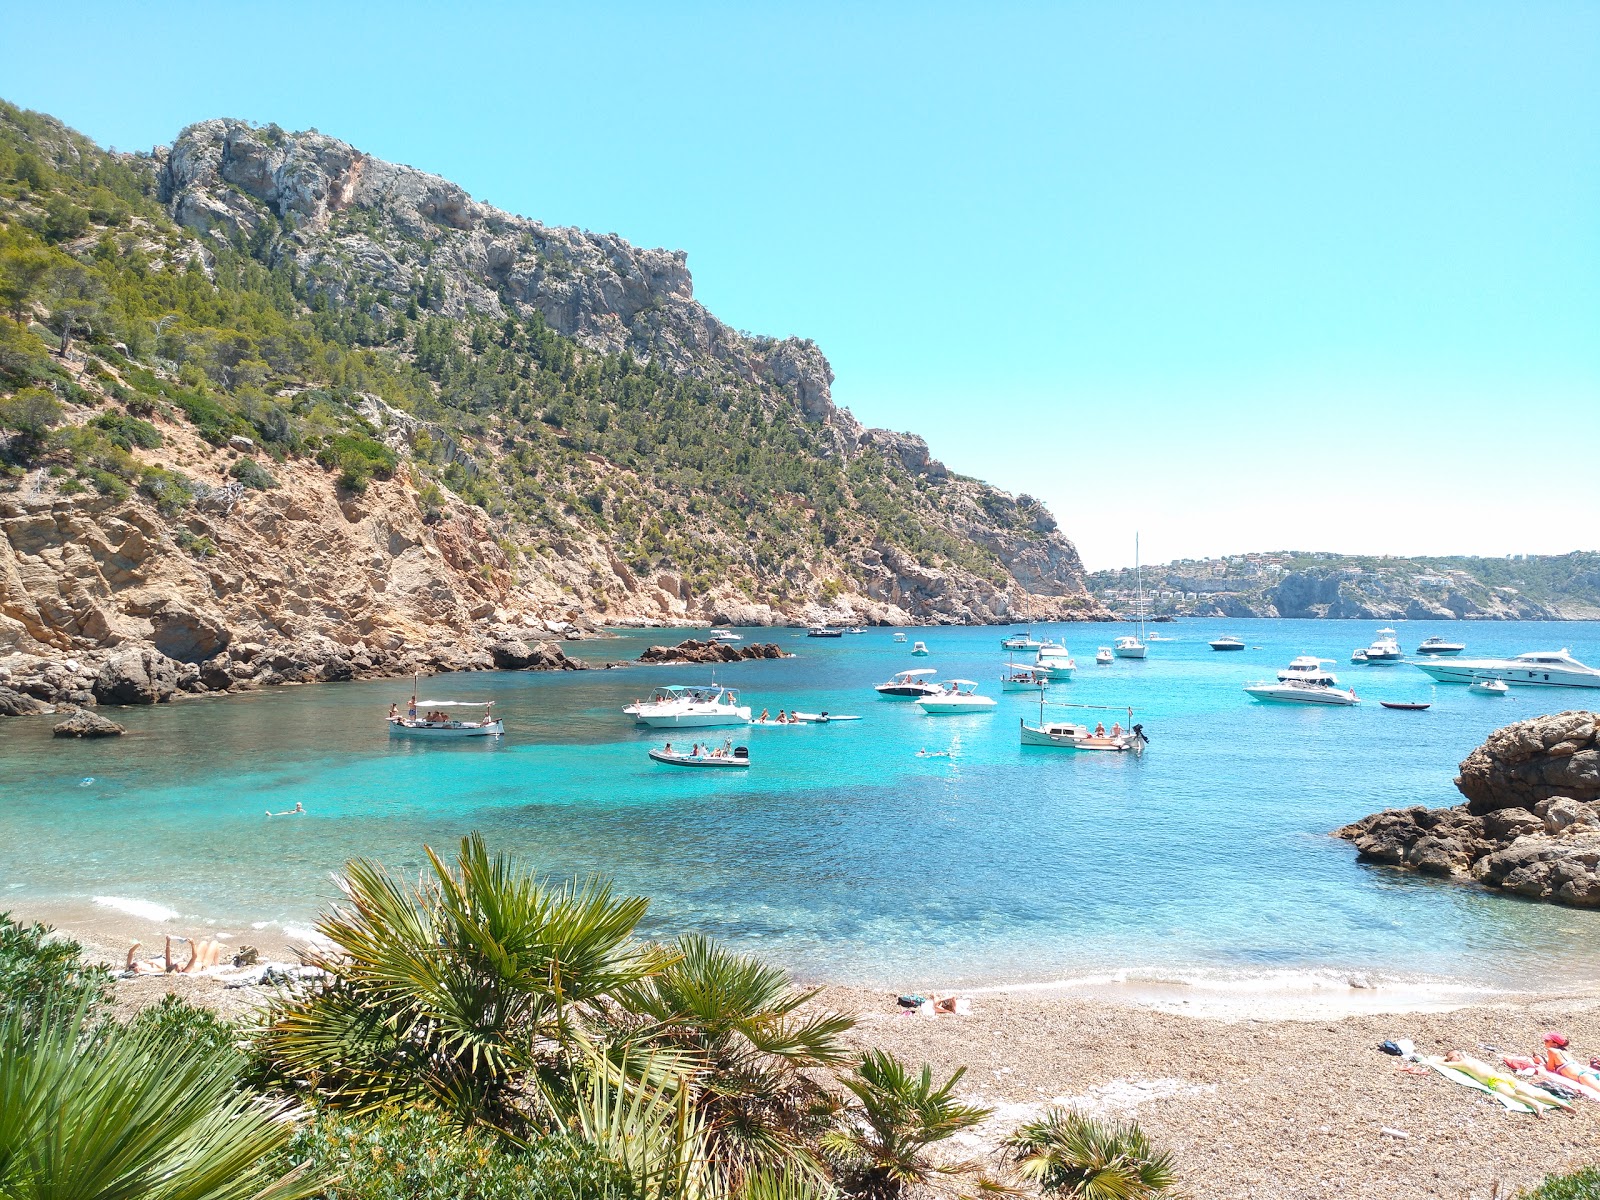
[1256,1089]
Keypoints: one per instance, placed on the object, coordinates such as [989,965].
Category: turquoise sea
[840,852]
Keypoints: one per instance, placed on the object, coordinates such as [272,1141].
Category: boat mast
[1139,581]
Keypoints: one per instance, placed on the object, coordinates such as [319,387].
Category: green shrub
[200,547]
[128,432]
[417,1155]
[1580,1185]
[172,491]
[358,458]
[39,971]
[182,1026]
[253,475]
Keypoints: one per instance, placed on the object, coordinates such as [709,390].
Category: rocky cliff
[1531,823]
[272,409]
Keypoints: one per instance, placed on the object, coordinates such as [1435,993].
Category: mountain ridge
[401,425]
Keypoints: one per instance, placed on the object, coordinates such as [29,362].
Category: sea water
[840,852]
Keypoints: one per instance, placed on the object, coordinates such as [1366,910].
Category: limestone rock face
[85,724]
[1546,848]
[136,676]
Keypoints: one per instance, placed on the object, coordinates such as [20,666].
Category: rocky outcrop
[1531,824]
[693,651]
[86,724]
[511,653]
[140,675]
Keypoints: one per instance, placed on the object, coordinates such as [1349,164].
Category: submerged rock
[1531,824]
[85,724]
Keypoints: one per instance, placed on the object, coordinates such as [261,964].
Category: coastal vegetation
[481,1033]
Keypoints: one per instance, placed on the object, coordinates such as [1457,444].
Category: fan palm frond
[1070,1155]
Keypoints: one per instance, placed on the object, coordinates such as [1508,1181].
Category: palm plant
[455,990]
[1069,1154]
[118,1113]
[741,1020]
[881,1145]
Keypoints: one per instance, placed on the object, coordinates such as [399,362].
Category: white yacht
[1439,645]
[909,685]
[1537,668]
[1358,655]
[1020,641]
[725,635]
[662,694]
[1132,647]
[1103,656]
[1055,660]
[1385,648]
[1128,647]
[1303,681]
[695,708]
[1023,679]
[1226,642]
[956,696]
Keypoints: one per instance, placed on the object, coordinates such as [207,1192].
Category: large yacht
[1227,642]
[956,696]
[1303,681]
[1055,660]
[695,708]
[1385,648]
[910,685]
[1439,645]
[1537,668]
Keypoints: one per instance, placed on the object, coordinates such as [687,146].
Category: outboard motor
[741,751]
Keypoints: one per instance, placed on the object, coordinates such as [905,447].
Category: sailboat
[1134,647]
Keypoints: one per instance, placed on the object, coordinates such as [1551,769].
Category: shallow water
[840,852]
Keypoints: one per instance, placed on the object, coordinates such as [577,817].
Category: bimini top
[455,703]
[914,674]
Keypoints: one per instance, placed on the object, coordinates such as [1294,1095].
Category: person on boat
[411,709]
[1116,729]
[1100,729]
[783,718]
[394,712]
[488,717]
[298,810]
[762,720]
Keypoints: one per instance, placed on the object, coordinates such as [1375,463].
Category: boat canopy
[962,682]
[914,674]
[455,703]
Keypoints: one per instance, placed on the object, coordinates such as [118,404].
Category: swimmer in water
[298,810]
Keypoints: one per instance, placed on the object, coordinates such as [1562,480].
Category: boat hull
[1127,743]
[693,720]
[1226,645]
[936,706]
[1288,694]
[1129,651]
[897,692]
[1470,670]
[1007,685]
[688,760]
[400,728]
[1441,651]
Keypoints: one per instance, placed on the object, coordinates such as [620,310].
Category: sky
[1237,276]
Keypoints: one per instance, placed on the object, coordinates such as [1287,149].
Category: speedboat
[1129,647]
[1537,668]
[909,685]
[1071,735]
[1103,656]
[1358,655]
[1438,645]
[726,755]
[824,631]
[919,649]
[855,629]
[1054,659]
[433,724]
[1385,648]
[1023,679]
[956,696]
[660,695]
[1488,687]
[899,637]
[1020,641]
[724,635]
[1303,681]
[1226,642]
[695,708]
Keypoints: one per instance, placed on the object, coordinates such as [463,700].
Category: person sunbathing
[207,952]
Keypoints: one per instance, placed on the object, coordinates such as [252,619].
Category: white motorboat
[855,629]
[1385,648]
[1023,679]
[919,649]
[1537,668]
[1306,668]
[824,631]
[899,637]
[1072,735]
[1488,687]
[425,719]
[1129,647]
[1358,655]
[1020,641]
[725,635]
[696,708]
[662,694]
[1303,681]
[957,696]
[1226,642]
[1439,645]
[1103,656]
[1055,660]
[726,755]
[909,685]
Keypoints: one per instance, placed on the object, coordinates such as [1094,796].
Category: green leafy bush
[253,475]
[1580,1185]
[128,432]
[1070,1155]
[40,971]
[359,459]
[172,491]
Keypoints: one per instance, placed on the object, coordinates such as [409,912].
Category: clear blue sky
[1245,276]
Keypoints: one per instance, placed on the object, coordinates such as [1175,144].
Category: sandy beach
[1268,1090]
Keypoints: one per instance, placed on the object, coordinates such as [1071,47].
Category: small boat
[899,637]
[1023,679]
[1488,687]
[919,649]
[1537,668]
[1103,656]
[822,718]
[1071,735]
[1403,706]
[1129,647]
[909,685]
[1055,660]
[1156,637]
[1226,642]
[1385,648]
[724,635]
[824,631]
[956,696]
[1438,645]
[440,725]
[1020,641]
[1358,656]
[855,629]
[695,708]
[728,755]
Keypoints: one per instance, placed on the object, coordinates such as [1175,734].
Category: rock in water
[693,651]
[85,724]
[1531,824]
